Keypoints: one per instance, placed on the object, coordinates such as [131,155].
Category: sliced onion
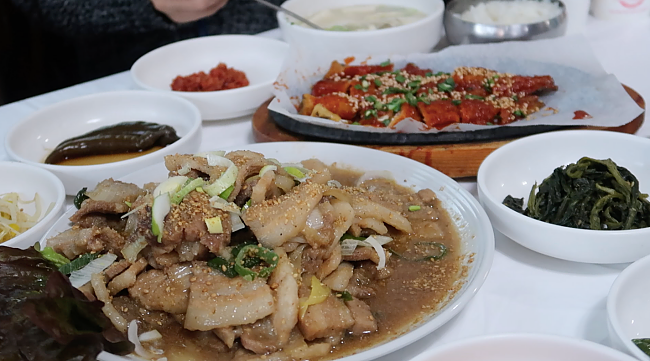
[80,277]
[375,174]
[131,250]
[185,168]
[213,157]
[348,246]
[171,185]
[161,206]
[380,251]
[274,161]
[236,222]
[132,335]
[315,219]
[150,336]
[283,182]
[338,194]
[220,203]
[382,240]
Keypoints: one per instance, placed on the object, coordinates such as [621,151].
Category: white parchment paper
[583,83]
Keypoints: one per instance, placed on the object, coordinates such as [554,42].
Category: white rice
[511,12]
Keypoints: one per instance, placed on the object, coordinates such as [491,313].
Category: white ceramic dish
[627,307]
[33,138]
[474,226]
[259,57]
[519,347]
[418,37]
[515,167]
[26,180]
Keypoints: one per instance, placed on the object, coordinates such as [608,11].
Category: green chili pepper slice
[253,251]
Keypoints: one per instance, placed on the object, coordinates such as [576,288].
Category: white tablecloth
[525,291]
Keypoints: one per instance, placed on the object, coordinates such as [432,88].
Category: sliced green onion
[385,63]
[214,225]
[378,82]
[345,296]
[295,172]
[414,208]
[227,179]
[161,206]
[400,78]
[519,113]
[177,198]
[50,254]
[225,194]
[472,96]
[171,185]
[80,197]
[267,168]
[455,102]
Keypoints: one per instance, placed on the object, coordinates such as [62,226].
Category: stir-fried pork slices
[186,223]
[77,241]
[166,290]
[302,222]
[217,301]
[326,319]
[278,220]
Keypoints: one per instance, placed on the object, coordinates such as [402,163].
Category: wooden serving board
[455,160]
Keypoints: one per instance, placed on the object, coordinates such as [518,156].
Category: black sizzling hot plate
[374,138]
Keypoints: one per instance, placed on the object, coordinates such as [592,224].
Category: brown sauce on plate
[414,292]
[106,158]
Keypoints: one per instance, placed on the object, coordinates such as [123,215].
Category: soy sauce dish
[515,168]
[154,124]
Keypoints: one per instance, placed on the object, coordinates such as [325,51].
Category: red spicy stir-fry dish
[380,96]
[220,77]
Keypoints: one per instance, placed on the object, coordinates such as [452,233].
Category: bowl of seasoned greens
[578,195]
[627,310]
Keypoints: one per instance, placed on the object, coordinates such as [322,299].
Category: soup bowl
[33,139]
[514,168]
[417,37]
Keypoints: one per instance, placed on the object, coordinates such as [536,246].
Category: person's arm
[89,17]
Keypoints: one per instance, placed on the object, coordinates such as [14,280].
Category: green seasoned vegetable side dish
[643,344]
[589,194]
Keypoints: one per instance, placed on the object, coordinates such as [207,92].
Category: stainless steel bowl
[460,31]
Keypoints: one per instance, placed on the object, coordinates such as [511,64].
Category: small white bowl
[627,308]
[33,139]
[417,37]
[520,347]
[259,57]
[516,166]
[27,180]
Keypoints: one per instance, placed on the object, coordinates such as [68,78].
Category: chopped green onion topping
[400,78]
[365,84]
[440,73]
[472,96]
[355,123]
[414,208]
[386,122]
[393,90]
[370,113]
[427,74]
[385,63]
[414,84]
[489,123]
[395,104]
[358,87]
[515,98]
[447,85]
[411,99]
[455,102]
[378,82]
[519,113]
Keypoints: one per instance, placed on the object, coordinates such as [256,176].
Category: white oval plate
[523,347]
[477,236]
